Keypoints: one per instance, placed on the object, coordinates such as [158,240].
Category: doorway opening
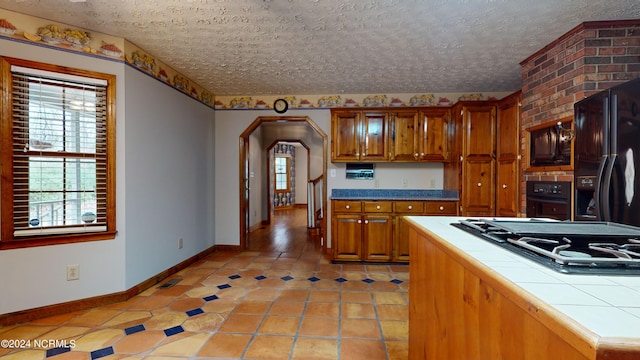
[255,199]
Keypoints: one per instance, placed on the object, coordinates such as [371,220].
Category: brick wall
[591,57]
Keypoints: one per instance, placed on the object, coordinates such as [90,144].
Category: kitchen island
[470,299]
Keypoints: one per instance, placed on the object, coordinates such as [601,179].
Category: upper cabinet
[403,135]
[359,136]
[420,135]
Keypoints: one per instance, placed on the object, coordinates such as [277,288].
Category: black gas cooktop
[595,248]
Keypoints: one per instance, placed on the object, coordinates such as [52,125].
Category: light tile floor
[239,305]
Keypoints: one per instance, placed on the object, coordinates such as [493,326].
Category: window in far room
[58,152]
[281,169]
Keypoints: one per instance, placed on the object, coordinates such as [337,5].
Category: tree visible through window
[282,173]
[60,146]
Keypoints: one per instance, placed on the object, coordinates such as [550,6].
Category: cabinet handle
[441,208]
[348,207]
[410,207]
[504,186]
[479,184]
[377,207]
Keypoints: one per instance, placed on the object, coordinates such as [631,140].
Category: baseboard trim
[23,316]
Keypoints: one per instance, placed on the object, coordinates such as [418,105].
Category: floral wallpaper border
[348,100]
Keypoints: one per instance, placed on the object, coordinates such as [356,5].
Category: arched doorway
[290,128]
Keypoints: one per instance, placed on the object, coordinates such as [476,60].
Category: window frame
[287,173]
[7,238]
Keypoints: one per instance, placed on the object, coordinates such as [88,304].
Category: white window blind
[59,153]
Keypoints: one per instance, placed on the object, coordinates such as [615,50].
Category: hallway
[282,299]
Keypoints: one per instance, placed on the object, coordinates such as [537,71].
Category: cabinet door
[478,171]
[508,157]
[345,139]
[375,137]
[434,135]
[347,237]
[378,237]
[406,136]
[401,241]
[507,188]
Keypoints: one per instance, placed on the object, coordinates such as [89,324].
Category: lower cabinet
[371,231]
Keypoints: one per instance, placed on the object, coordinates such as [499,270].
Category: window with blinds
[60,154]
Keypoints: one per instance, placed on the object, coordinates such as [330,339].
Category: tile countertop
[394,194]
[609,306]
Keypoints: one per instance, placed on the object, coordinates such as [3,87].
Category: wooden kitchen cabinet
[485,157]
[372,231]
[409,208]
[406,134]
[476,133]
[508,156]
[378,237]
[359,136]
[435,141]
[348,228]
[379,135]
[364,230]
[420,134]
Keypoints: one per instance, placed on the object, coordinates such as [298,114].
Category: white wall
[164,190]
[169,176]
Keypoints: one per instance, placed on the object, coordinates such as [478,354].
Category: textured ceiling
[274,47]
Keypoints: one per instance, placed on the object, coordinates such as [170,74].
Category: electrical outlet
[432,183]
[376,183]
[405,183]
[73,272]
[180,243]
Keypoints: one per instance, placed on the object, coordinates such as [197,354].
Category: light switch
[332,172]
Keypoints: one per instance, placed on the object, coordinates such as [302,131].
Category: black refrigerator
[607,155]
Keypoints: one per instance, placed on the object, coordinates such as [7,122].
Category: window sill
[34,241]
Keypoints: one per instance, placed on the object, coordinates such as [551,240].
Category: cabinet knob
[441,208]
[366,221]
[410,207]
[378,207]
[359,221]
[422,154]
[504,186]
[479,184]
[348,207]
[416,155]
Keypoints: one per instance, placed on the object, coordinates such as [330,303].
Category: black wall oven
[549,199]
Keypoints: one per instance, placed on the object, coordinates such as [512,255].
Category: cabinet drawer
[441,208]
[347,206]
[409,207]
[378,206]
